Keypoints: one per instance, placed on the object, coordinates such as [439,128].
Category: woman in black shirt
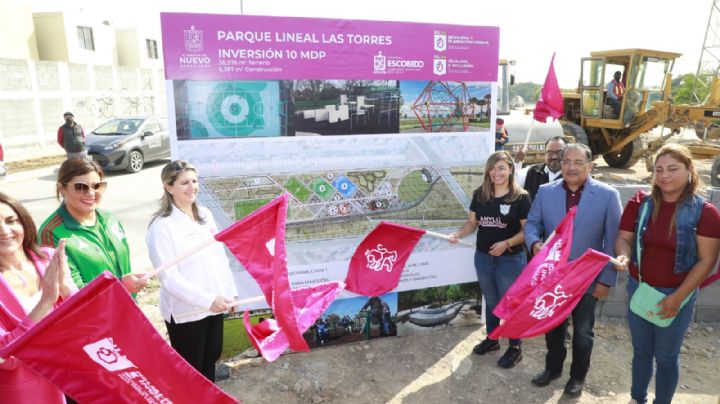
[498,211]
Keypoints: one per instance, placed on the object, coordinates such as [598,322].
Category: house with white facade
[17,31]
[74,36]
[139,47]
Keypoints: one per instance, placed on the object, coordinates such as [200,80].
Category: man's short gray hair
[578,146]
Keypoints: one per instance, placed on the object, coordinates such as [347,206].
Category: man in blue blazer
[596,226]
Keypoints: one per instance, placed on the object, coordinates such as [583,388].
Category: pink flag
[98,347]
[258,242]
[554,254]
[554,299]
[550,102]
[253,240]
[377,264]
[270,340]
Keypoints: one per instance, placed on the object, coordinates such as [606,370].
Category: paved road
[132,197]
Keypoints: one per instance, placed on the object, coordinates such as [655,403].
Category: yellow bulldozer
[615,129]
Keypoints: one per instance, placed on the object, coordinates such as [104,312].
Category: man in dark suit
[531,177]
[595,226]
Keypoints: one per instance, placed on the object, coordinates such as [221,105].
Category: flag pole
[527,135]
[177,259]
[612,260]
[259,299]
[446,237]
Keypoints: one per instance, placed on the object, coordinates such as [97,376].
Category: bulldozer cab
[643,78]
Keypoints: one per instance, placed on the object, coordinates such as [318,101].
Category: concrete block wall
[79,77]
[707,306]
[50,110]
[48,76]
[128,78]
[34,95]
[147,80]
[104,78]
[14,75]
[13,118]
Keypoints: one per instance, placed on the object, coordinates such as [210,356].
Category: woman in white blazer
[196,292]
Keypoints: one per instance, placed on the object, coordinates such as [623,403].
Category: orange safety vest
[619,89]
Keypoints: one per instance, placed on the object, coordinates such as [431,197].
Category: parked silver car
[127,143]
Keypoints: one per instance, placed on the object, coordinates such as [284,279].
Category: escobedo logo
[379,63]
[106,354]
[193,40]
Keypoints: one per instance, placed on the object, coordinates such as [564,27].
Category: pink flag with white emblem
[552,301]
[258,242]
[377,264]
[554,254]
[98,347]
[550,102]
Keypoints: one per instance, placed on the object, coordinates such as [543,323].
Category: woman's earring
[689,178]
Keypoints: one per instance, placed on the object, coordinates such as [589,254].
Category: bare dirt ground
[32,163]
[439,367]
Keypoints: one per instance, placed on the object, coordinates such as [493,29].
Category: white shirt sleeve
[520,173]
[162,249]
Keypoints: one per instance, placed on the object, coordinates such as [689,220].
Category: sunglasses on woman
[83,188]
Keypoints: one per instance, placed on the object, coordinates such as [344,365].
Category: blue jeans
[661,343]
[496,275]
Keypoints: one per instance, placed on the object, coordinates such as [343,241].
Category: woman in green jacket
[95,239]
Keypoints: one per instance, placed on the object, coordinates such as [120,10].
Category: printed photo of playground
[345,107]
[355,319]
[444,106]
[336,204]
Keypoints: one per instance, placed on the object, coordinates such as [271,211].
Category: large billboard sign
[359,121]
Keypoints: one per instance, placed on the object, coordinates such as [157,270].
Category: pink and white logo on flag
[380,258]
[554,299]
[106,354]
[88,350]
[554,254]
[377,264]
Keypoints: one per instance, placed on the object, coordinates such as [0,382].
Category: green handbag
[645,300]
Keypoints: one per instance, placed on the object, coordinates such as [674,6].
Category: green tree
[682,88]
[528,91]
[455,293]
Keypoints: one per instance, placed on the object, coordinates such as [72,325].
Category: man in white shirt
[532,177]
